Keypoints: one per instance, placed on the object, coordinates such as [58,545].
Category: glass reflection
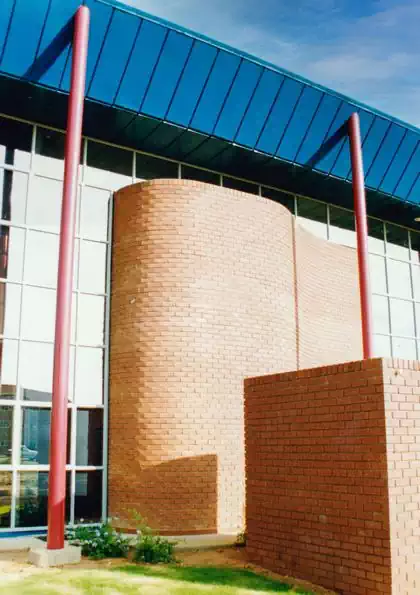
[35,368]
[201,175]
[241,185]
[15,142]
[287,200]
[89,437]
[35,445]
[11,252]
[32,501]
[150,168]
[8,368]
[88,496]
[13,190]
[10,295]
[6,428]
[5,498]
[89,376]
[49,152]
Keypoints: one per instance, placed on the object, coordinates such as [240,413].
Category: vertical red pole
[362,234]
[58,439]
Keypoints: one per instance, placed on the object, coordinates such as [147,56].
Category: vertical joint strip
[58,437]
[359,197]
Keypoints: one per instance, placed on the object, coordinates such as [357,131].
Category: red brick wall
[333,483]
[204,293]
[402,405]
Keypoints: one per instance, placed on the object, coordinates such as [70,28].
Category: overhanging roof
[158,87]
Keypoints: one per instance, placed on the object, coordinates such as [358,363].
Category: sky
[367,49]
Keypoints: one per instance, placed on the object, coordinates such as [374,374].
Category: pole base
[44,558]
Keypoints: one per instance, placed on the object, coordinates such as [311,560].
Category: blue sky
[368,49]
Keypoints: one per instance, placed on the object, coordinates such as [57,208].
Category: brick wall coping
[333,369]
[136,187]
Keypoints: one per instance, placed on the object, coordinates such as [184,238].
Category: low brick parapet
[332,461]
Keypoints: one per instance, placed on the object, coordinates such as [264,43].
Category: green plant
[99,541]
[241,539]
[150,547]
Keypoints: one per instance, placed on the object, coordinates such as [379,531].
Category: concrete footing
[44,558]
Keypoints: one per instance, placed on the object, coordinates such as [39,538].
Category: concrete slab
[18,544]
[201,542]
[44,558]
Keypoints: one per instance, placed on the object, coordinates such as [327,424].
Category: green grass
[148,580]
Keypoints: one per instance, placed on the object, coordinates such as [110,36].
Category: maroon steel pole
[362,234]
[58,438]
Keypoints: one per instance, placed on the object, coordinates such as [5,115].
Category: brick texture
[205,292]
[402,405]
[332,462]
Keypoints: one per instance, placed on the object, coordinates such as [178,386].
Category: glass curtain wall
[31,174]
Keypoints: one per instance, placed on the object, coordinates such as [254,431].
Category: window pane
[10,296]
[415,246]
[382,346]
[377,273]
[404,348]
[32,502]
[109,167]
[240,185]
[92,267]
[5,498]
[376,243]
[30,394]
[94,213]
[6,426]
[313,216]
[35,445]
[13,191]
[44,204]
[11,252]
[416,280]
[201,175]
[88,496]
[15,143]
[399,279]
[287,200]
[36,367]
[342,227]
[89,437]
[38,313]
[41,259]
[49,149]
[402,318]
[8,368]
[397,242]
[150,168]
[90,320]
[417,313]
[380,314]
[89,376]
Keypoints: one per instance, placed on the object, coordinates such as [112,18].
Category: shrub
[150,547]
[100,541]
[241,539]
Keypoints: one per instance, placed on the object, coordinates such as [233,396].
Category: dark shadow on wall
[176,497]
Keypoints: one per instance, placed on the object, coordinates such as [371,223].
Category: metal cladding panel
[198,99]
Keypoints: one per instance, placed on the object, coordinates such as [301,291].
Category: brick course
[332,461]
[204,293]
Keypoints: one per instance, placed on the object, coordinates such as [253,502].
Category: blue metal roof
[159,87]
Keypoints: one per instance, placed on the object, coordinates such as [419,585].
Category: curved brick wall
[203,295]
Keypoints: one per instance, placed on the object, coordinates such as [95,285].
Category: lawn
[149,580]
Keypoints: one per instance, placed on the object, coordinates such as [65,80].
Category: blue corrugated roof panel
[148,67]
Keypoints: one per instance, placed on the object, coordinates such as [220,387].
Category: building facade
[238,242]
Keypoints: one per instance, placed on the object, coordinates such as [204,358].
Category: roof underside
[156,87]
